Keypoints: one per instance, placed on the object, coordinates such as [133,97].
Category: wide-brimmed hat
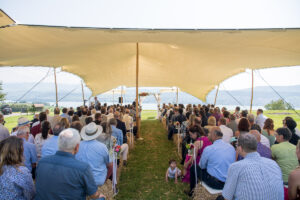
[91,131]
[22,121]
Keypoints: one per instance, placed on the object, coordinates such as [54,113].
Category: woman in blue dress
[15,179]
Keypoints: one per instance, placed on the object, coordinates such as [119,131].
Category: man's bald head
[215,134]
[256,134]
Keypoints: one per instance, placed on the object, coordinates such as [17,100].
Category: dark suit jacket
[121,125]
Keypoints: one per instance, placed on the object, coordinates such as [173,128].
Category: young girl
[172,171]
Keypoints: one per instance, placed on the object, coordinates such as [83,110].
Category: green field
[279,115]
[276,115]
[11,122]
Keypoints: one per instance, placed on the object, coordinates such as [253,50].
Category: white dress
[39,142]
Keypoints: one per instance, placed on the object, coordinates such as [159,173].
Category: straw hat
[22,121]
[91,131]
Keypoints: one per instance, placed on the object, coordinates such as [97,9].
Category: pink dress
[206,143]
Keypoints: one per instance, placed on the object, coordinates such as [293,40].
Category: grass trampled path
[144,176]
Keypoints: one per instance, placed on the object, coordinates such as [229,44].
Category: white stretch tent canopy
[193,60]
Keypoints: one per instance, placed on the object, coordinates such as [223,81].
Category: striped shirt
[254,178]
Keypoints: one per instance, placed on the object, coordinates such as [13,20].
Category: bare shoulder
[295,175]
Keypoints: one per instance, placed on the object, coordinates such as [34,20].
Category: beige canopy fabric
[193,60]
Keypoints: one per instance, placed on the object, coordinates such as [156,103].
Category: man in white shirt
[110,114]
[260,118]
[127,119]
[227,132]
[56,118]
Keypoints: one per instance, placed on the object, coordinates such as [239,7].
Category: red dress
[206,143]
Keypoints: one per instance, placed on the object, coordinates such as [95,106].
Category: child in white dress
[172,172]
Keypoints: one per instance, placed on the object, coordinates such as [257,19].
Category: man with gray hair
[61,176]
[29,153]
[251,119]
[254,177]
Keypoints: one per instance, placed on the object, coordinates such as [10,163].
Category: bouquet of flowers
[177,124]
[190,148]
[117,150]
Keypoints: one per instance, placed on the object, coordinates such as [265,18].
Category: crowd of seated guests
[69,155]
[237,152]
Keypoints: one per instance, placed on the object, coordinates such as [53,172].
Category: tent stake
[216,94]
[55,87]
[251,93]
[137,92]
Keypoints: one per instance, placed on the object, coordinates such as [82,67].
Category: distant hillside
[46,93]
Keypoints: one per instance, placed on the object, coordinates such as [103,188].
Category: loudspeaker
[120,99]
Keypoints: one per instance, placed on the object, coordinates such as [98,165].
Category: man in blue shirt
[30,155]
[254,177]
[117,133]
[61,176]
[65,114]
[214,163]
[93,152]
[51,145]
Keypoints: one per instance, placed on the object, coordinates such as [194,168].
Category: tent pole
[177,96]
[113,97]
[216,94]
[137,92]
[251,93]
[55,87]
[121,95]
[82,93]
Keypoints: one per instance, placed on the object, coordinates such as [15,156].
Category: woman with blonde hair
[212,122]
[15,179]
[269,131]
[65,122]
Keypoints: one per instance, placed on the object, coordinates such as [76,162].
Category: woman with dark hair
[75,118]
[203,117]
[269,131]
[290,123]
[200,141]
[226,115]
[15,179]
[243,127]
[41,137]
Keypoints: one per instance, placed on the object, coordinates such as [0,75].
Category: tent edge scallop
[203,97]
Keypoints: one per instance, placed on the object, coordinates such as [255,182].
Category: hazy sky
[157,14]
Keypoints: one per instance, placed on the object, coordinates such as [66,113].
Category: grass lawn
[279,115]
[12,121]
[276,115]
[149,114]
[144,177]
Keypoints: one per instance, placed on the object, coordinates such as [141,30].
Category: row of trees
[2,95]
